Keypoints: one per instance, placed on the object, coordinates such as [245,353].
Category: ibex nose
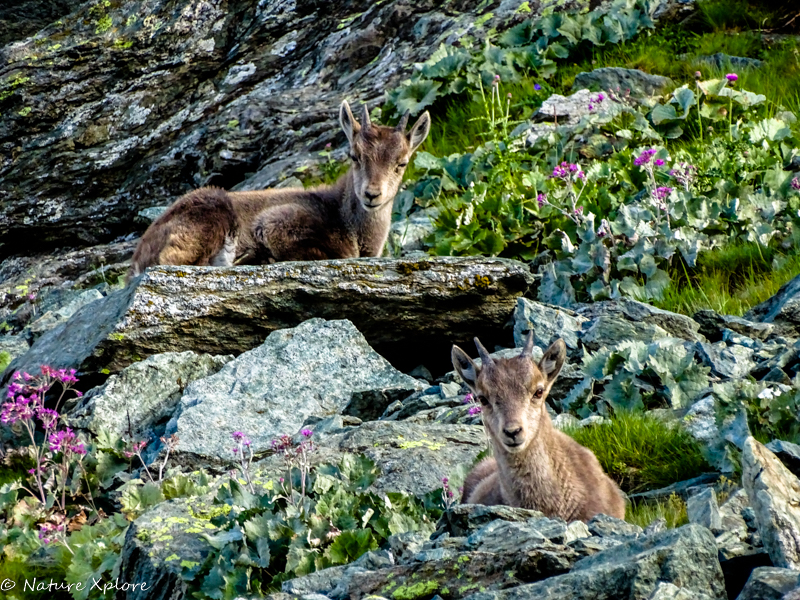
[371,195]
[512,433]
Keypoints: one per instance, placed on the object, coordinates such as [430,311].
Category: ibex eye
[402,165]
[538,393]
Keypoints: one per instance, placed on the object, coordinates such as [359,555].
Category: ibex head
[512,391]
[380,154]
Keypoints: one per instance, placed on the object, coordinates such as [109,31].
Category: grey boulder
[774,494]
[313,369]
[623,81]
[685,557]
[770,583]
[144,395]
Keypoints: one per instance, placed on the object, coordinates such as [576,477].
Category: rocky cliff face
[123,105]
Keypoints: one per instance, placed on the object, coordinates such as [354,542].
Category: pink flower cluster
[645,157]
[474,409]
[66,441]
[684,173]
[135,449]
[567,171]
[796,183]
[596,100]
[49,532]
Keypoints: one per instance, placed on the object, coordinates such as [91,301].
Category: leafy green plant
[283,533]
[773,412]
[641,452]
[633,374]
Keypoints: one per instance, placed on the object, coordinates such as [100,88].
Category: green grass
[730,280]
[672,509]
[641,452]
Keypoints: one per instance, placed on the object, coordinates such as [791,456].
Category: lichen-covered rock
[61,271]
[638,314]
[548,323]
[12,346]
[774,494]
[164,543]
[409,234]
[52,318]
[728,362]
[131,104]
[788,453]
[434,301]
[312,369]
[142,397]
[712,324]
[464,519]
[770,583]
[702,509]
[782,310]
[623,81]
[685,557]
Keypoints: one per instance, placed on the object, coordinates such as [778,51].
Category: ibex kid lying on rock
[348,219]
[535,466]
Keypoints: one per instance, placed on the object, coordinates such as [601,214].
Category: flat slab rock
[774,494]
[685,557]
[231,310]
[313,369]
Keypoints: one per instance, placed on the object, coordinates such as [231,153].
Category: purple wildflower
[21,408]
[591,107]
[307,433]
[537,87]
[61,441]
[235,450]
[566,171]
[659,162]
[48,417]
[469,397]
[600,97]
[474,410]
[731,77]
[541,199]
[796,184]
[645,157]
[328,146]
[660,193]
[684,173]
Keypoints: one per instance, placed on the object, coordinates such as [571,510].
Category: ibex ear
[553,360]
[349,125]
[419,131]
[465,367]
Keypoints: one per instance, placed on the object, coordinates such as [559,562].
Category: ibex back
[534,466]
[348,219]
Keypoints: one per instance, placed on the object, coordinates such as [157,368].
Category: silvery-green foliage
[534,44]
[266,539]
[633,374]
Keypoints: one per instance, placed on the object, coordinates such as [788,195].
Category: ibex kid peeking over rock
[348,219]
[535,466]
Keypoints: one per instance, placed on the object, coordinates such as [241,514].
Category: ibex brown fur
[348,219]
[535,466]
